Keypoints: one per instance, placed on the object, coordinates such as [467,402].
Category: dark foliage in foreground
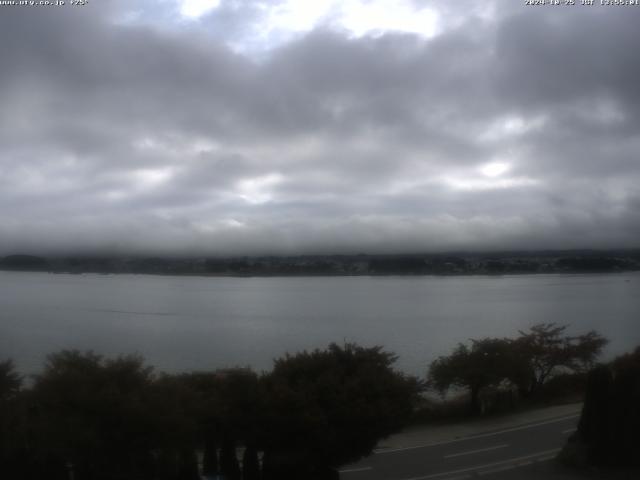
[108,419]
[607,434]
[336,403]
[524,364]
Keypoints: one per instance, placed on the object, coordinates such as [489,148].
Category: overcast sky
[298,126]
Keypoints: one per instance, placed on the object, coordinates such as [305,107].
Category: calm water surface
[185,323]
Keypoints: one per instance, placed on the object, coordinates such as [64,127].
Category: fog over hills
[285,127]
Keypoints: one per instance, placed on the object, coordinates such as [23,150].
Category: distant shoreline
[491,264]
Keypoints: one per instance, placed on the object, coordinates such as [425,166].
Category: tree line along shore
[88,417]
[494,263]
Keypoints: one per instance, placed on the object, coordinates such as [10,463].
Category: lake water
[185,323]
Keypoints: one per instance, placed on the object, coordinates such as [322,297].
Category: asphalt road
[486,455]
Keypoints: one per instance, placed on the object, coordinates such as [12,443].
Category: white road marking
[473,437]
[353,470]
[496,470]
[515,461]
[568,430]
[470,452]
[546,458]
[516,465]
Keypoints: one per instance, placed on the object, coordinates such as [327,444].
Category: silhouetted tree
[527,362]
[10,380]
[210,456]
[188,464]
[227,412]
[167,465]
[250,464]
[485,363]
[93,414]
[329,407]
[594,422]
[544,350]
[607,433]
[12,463]
[229,465]
[174,407]
[625,411]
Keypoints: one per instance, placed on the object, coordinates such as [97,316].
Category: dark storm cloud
[119,134]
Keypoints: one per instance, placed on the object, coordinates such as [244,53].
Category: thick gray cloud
[125,132]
